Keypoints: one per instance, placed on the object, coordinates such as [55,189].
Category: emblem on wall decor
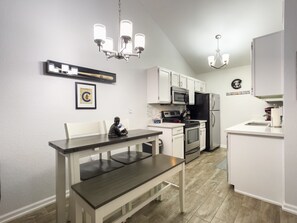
[85,96]
[236,84]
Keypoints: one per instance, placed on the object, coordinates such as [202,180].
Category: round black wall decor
[236,83]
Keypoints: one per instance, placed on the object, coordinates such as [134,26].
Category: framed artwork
[85,96]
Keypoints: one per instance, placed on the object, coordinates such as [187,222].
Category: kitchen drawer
[176,131]
[202,125]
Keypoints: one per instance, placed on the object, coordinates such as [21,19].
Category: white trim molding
[289,208]
[223,146]
[28,209]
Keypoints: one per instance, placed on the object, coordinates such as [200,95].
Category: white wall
[236,108]
[290,106]
[35,106]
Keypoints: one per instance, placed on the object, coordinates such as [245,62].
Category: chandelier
[125,50]
[218,61]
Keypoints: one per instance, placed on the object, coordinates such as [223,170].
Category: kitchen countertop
[198,120]
[256,130]
[167,125]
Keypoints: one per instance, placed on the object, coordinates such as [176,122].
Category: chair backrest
[108,123]
[80,129]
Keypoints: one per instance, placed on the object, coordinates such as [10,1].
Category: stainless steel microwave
[179,96]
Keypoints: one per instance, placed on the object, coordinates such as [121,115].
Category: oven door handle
[193,151]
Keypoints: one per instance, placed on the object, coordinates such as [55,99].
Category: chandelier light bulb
[139,44]
[211,60]
[126,30]
[225,58]
[99,33]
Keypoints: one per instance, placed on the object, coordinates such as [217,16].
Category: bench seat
[104,194]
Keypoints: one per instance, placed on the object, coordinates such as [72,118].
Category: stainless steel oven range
[191,134]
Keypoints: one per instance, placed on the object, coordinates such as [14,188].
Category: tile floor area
[209,199]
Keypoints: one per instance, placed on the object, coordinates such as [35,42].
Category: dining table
[76,148]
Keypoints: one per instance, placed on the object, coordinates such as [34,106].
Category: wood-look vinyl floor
[209,199]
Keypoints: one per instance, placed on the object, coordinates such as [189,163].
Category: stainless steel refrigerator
[207,107]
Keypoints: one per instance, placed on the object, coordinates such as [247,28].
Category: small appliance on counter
[276,117]
[268,113]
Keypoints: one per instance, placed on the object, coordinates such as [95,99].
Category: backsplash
[154,110]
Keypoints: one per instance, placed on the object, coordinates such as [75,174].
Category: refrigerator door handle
[213,120]
[214,102]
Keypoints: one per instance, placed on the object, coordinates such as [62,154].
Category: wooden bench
[102,195]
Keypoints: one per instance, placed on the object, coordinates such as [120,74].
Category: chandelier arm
[122,49]
[219,66]
[132,54]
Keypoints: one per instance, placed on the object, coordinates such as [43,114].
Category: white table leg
[88,218]
[155,146]
[78,213]
[182,188]
[74,177]
[60,188]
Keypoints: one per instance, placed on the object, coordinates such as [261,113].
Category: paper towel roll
[275,117]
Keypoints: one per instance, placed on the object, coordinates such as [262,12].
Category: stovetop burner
[175,117]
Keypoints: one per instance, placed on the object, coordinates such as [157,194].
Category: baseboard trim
[259,198]
[289,208]
[223,146]
[28,209]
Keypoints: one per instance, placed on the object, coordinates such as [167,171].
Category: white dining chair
[89,169]
[127,156]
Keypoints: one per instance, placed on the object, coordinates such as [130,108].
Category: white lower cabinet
[202,132]
[177,144]
[173,140]
[255,166]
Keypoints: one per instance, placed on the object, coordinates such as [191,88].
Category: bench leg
[97,217]
[182,188]
[88,218]
[78,213]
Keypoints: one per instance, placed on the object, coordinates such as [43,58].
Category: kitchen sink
[257,124]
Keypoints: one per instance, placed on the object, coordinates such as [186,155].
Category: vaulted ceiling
[191,25]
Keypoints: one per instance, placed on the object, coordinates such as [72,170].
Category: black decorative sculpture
[117,129]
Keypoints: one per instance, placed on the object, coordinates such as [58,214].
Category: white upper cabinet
[178,80]
[267,80]
[158,86]
[182,81]
[200,86]
[191,88]
[174,79]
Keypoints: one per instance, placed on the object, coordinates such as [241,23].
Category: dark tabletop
[107,187]
[66,146]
